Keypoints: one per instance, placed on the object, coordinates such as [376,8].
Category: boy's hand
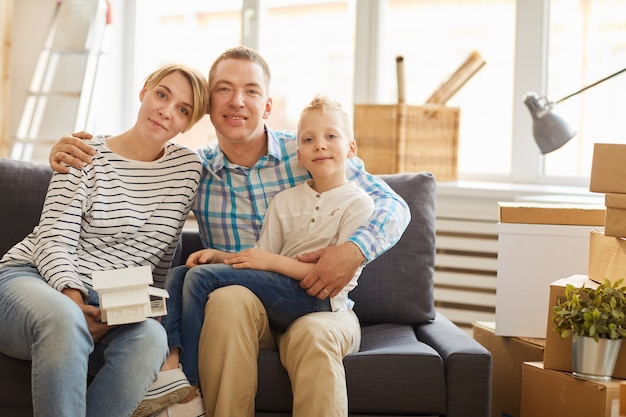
[252,258]
[71,150]
[201,257]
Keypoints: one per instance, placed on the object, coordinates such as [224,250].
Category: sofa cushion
[23,190]
[392,374]
[391,356]
[397,287]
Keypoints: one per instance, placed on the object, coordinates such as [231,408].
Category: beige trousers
[311,350]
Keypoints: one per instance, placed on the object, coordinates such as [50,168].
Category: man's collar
[215,159]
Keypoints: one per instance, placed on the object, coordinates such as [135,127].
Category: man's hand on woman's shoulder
[71,150]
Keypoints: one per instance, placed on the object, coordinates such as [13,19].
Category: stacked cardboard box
[607,251]
[607,254]
[549,388]
[508,356]
[548,393]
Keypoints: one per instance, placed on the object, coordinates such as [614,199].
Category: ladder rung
[66,94]
[38,140]
[58,51]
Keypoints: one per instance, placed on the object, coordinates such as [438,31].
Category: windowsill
[515,192]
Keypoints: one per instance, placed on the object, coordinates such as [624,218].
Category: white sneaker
[170,387]
[193,408]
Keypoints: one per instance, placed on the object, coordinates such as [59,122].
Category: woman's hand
[92,314]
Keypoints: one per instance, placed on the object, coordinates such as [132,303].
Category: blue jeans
[44,326]
[283,298]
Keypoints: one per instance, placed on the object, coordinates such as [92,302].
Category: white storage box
[530,258]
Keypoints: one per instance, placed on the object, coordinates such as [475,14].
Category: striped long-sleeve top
[114,213]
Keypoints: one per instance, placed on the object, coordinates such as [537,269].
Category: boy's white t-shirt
[300,220]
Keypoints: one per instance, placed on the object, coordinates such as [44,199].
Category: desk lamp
[550,130]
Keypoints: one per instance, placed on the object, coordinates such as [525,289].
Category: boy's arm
[206,256]
[255,258]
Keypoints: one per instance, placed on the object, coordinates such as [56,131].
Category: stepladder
[61,96]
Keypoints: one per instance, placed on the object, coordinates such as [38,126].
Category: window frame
[530,74]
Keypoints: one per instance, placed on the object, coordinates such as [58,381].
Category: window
[309,46]
[587,43]
[435,37]
[194,32]
[312,46]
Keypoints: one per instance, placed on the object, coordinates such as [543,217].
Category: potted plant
[596,320]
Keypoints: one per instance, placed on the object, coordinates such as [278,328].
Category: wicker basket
[401,138]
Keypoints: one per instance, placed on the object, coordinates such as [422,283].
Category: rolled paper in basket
[472,64]
[400,76]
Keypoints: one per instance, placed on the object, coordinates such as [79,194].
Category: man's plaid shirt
[232,200]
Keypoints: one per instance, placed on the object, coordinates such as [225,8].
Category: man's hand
[71,150]
[335,267]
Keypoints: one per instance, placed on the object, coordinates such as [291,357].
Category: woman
[125,209]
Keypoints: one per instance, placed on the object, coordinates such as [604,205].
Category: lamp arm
[592,85]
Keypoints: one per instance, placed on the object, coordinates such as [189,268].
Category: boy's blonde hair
[199,87]
[325,104]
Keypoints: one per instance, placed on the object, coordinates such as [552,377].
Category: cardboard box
[557,353]
[508,354]
[552,213]
[608,170]
[548,393]
[530,257]
[607,258]
[615,220]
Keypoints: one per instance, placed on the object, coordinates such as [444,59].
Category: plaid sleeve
[390,218]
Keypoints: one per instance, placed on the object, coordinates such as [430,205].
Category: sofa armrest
[467,364]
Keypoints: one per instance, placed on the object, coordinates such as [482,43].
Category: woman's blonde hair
[199,87]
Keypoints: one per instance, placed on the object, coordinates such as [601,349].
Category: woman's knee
[63,332]
[152,340]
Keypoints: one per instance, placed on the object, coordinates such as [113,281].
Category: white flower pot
[594,360]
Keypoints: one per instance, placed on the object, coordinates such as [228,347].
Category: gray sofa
[413,361]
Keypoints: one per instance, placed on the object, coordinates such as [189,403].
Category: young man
[248,167]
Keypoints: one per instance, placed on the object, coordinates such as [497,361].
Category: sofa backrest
[397,287]
[23,187]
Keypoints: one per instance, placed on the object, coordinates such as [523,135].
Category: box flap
[608,170]
[615,200]
[607,257]
[552,213]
